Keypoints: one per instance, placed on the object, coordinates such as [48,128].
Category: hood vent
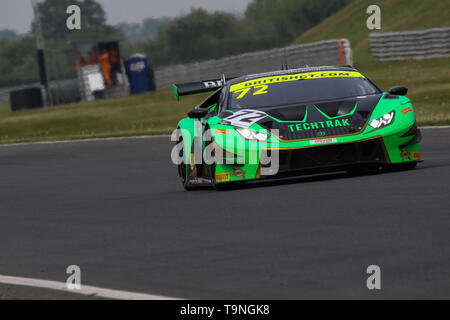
[337,108]
[291,113]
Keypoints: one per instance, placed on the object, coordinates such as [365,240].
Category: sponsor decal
[220,177]
[320,125]
[406,110]
[199,181]
[322,141]
[239,173]
[416,155]
[220,131]
[193,181]
[212,84]
[294,77]
[405,155]
[321,134]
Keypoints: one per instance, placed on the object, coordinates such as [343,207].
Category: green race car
[293,122]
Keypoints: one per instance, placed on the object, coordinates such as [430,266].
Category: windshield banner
[294,77]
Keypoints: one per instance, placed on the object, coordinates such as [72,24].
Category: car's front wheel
[182,170]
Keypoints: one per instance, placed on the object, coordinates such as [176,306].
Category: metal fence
[424,44]
[63,91]
[329,52]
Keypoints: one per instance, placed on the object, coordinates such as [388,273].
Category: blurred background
[136,47]
[196,34]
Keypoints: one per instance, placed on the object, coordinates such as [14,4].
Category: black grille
[370,151]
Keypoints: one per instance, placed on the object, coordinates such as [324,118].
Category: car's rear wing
[183,89]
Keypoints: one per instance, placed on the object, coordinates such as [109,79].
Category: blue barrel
[140,76]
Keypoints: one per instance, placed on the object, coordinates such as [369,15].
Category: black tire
[182,168]
[210,167]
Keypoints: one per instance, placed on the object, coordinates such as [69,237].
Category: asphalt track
[116,209]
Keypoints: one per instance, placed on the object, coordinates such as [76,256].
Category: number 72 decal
[244,118]
[262,89]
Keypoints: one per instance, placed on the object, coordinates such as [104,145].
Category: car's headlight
[385,120]
[252,135]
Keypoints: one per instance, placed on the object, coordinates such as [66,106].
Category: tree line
[266,24]
[194,36]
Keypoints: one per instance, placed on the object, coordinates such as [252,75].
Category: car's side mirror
[399,90]
[197,113]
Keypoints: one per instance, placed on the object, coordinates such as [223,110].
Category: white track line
[128,138]
[435,127]
[82,140]
[85,290]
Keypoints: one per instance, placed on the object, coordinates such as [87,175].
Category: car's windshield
[288,90]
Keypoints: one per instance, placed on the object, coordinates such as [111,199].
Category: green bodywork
[391,136]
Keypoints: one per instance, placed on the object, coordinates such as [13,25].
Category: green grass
[428,80]
[158,113]
[147,114]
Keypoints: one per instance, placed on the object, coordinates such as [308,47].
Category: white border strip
[85,290]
